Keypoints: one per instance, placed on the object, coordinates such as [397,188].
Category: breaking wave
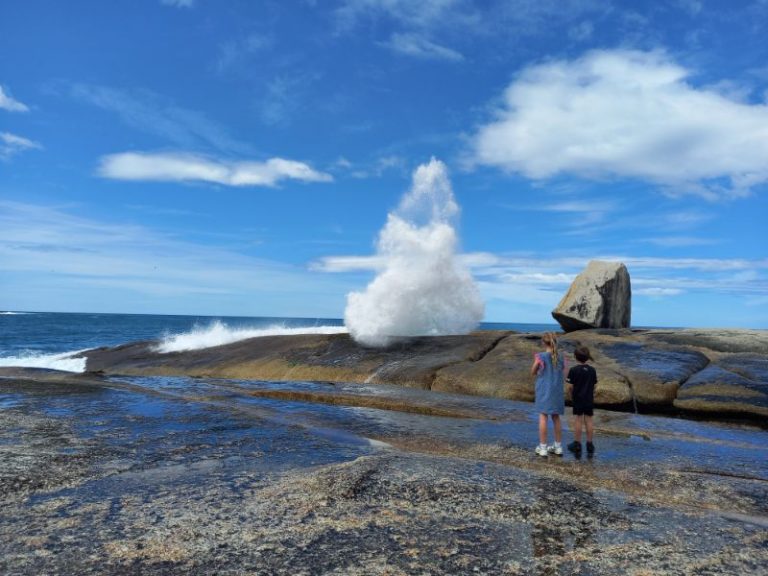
[218,334]
[63,361]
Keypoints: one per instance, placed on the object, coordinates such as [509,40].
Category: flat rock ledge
[711,373]
[107,476]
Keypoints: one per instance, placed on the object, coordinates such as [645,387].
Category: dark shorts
[582,410]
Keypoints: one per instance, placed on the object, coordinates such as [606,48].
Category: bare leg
[577,428]
[558,428]
[542,428]
[590,428]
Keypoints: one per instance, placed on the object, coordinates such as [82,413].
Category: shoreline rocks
[100,475]
[716,373]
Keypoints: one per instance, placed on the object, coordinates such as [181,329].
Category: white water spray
[218,334]
[423,289]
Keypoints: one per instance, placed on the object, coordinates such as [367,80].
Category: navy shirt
[583,378]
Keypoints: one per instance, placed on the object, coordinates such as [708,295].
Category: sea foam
[219,333]
[423,289]
[63,361]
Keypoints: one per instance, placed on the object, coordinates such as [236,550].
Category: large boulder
[599,297]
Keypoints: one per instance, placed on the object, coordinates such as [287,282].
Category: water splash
[64,361]
[219,333]
[423,289]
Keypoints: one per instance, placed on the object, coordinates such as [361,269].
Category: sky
[240,158]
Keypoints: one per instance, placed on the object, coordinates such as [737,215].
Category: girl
[549,369]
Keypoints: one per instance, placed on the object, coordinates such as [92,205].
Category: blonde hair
[550,340]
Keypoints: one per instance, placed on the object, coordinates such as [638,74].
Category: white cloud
[8,103]
[348,264]
[476,260]
[538,278]
[178,167]
[420,47]
[626,114]
[10,145]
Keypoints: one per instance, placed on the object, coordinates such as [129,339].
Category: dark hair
[582,354]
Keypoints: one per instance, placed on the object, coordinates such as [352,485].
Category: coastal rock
[738,385]
[505,373]
[713,341]
[599,297]
[655,374]
[213,477]
[335,357]
[638,370]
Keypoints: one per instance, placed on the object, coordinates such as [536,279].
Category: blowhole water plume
[423,288]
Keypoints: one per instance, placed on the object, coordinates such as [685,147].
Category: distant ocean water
[48,339]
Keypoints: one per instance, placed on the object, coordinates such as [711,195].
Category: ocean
[48,339]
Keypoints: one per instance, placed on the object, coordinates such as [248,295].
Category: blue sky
[240,158]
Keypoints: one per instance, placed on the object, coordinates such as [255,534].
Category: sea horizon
[483,325]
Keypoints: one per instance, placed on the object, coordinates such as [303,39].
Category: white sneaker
[541,450]
[556,449]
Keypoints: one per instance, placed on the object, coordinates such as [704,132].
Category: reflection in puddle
[10,400]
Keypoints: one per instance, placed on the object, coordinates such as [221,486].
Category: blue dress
[550,398]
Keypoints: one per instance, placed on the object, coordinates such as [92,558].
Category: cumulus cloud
[626,114]
[178,167]
[10,104]
[11,144]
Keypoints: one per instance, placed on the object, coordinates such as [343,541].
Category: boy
[582,379]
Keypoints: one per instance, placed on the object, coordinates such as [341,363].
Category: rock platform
[708,373]
[176,475]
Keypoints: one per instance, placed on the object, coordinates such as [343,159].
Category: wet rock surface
[638,370]
[175,475]
[737,383]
